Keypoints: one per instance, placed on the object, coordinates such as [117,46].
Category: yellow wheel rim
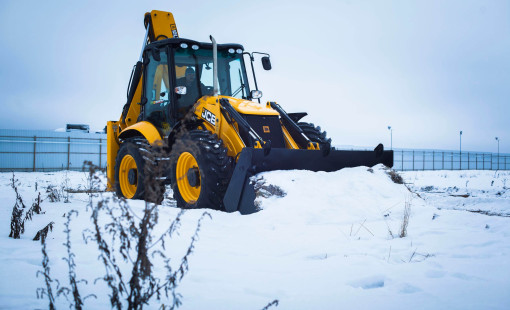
[186,162]
[128,189]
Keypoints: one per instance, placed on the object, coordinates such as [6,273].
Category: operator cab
[178,72]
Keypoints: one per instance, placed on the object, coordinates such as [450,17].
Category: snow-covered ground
[332,242]
[487,192]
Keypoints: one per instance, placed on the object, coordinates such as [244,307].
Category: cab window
[157,88]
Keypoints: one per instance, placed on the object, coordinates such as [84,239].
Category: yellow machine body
[230,134]
[256,137]
[162,26]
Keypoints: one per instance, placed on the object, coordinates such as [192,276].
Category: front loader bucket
[240,195]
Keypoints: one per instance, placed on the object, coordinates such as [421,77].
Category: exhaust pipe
[215,66]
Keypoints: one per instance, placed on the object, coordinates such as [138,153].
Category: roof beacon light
[184,45]
[194,46]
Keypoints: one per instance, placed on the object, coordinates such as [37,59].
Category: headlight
[256,94]
[194,46]
[231,51]
[239,51]
[184,45]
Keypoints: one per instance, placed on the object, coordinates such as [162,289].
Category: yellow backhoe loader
[193,100]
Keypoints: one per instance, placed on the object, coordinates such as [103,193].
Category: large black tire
[315,135]
[136,174]
[201,170]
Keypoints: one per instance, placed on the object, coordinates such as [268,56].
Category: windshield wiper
[241,88]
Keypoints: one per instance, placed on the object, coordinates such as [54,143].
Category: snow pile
[331,242]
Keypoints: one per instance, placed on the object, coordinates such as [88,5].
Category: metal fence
[449,160]
[36,150]
[27,150]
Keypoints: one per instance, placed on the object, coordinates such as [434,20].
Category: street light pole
[391,137]
[497,139]
[460,135]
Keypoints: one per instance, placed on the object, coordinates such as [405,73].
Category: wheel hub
[187,175]
[193,176]
[132,176]
[128,176]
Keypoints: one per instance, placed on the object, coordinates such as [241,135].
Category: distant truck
[77,127]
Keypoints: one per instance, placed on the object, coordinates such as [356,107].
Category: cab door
[157,91]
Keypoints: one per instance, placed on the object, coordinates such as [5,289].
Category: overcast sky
[427,68]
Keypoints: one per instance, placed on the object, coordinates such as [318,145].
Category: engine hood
[249,107]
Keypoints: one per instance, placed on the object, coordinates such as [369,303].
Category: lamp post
[391,137]
[497,139]
[460,150]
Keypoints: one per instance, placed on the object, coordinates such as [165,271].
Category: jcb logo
[174,31]
[209,116]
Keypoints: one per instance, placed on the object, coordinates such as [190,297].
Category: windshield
[194,70]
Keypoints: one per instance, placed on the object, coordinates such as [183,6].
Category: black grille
[268,127]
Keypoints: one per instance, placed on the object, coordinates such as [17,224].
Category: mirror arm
[253,70]
[265,54]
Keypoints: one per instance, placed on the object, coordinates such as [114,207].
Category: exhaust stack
[215,66]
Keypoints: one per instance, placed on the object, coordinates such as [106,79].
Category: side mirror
[180,90]
[266,63]
[256,94]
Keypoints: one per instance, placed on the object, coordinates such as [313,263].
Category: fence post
[476,161]
[460,160]
[423,160]
[443,160]
[452,160]
[402,160]
[468,161]
[68,151]
[100,153]
[35,139]
[433,160]
[491,161]
[413,160]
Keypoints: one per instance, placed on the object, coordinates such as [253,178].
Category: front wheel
[131,168]
[201,170]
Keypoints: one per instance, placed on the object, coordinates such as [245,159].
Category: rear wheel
[315,134]
[135,174]
[201,170]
